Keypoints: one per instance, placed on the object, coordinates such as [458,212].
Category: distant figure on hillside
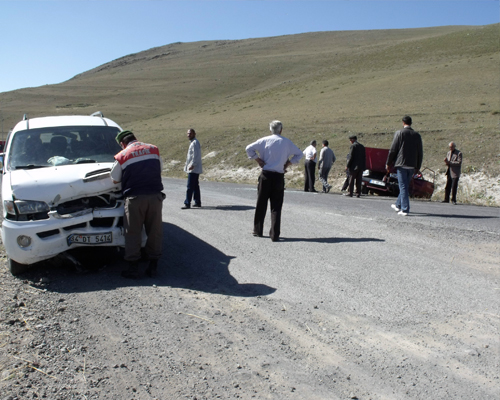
[272,153]
[326,160]
[310,167]
[406,155]
[356,160]
[193,168]
[454,162]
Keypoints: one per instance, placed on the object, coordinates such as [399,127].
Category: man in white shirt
[310,167]
[272,153]
[193,168]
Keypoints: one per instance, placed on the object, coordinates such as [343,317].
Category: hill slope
[321,85]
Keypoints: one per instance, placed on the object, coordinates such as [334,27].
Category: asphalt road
[424,287]
[347,252]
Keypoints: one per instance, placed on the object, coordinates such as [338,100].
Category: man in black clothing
[356,161]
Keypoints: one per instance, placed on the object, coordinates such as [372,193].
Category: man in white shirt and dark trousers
[272,153]
[310,167]
[326,160]
[194,169]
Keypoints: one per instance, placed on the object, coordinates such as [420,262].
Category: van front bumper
[27,242]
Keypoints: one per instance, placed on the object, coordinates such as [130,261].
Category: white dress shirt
[310,153]
[274,150]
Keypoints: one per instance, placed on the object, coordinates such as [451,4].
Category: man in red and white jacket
[138,167]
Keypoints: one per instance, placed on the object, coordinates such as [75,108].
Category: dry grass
[321,85]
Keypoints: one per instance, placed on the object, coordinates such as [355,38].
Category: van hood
[55,185]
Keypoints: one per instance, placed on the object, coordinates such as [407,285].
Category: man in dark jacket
[138,167]
[356,161]
[405,155]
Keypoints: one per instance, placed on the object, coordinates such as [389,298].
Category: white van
[57,194]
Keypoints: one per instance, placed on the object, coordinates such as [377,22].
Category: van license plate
[94,239]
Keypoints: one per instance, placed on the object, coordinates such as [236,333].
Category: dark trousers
[143,210]
[193,188]
[271,188]
[309,176]
[346,182]
[355,175]
[451,186]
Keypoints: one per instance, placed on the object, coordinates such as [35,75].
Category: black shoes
[133,271]
[152,269]
[188,206]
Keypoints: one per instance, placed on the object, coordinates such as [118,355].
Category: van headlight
[23,241]
[25,207]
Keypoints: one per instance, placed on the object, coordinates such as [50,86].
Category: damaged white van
[57,194]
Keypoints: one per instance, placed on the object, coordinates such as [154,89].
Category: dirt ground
[70,335]
[65,336]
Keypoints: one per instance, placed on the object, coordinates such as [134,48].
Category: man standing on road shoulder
[272,153]
[193,168]
[310,167]
[138,167]
[406,155]
[356,161]
[454,162]
[326,160]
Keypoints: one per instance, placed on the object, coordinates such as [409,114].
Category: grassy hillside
[322,85]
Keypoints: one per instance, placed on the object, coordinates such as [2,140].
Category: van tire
[16,268]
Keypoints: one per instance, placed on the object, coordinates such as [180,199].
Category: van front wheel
[16,268]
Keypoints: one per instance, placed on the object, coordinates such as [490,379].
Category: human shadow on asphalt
[330,240]
[453,215]
[191,263]
[223,208]
[187,262]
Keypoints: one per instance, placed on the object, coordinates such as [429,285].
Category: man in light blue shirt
[272,153]
[193,168]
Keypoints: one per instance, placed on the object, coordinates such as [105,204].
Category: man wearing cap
[138,167]
[356,161]
[272,153]
[193,168]
[406,154]
[310,167]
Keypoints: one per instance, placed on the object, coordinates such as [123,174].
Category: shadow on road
[187,262]
[453,215]
[224,208]
[331,240]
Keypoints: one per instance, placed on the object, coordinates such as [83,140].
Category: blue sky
[47,42]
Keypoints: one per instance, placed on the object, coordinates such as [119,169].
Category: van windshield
[64,145]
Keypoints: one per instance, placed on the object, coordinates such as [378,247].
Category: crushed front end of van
[57,194]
